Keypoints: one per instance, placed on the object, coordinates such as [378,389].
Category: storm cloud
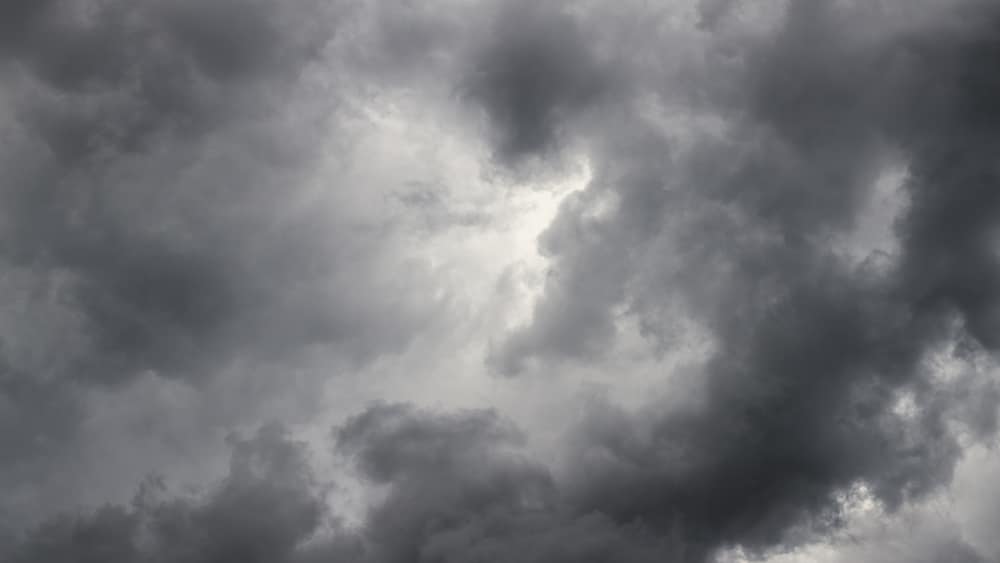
[160,209]
[769,311]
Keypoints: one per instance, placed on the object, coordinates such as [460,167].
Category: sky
[491,281]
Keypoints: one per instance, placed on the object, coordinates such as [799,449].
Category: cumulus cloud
[195,198]
[533,75]
[458,490]
[809,353]
[169,207]
[266,506]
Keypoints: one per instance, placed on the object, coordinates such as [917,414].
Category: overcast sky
[499,281]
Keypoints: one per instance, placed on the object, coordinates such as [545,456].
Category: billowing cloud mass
[499,281]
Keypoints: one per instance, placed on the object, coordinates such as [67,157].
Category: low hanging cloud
[458,489]
[261,511]
[163,211]
[533,76]
[809,352]
[140,176]
[188,191]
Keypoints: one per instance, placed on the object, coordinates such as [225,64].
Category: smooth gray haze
[490,281]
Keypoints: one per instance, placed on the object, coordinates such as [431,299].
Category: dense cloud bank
[457,490]
[160,214]
[804,193]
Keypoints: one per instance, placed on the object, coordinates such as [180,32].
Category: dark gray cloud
[810,351]
[108,88]
[157,219]
[534,74]
[459,489]
[161,211]
[264,509]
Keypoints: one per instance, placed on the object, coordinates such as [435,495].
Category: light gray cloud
[164,213]
[186,204]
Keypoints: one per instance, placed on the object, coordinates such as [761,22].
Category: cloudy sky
[491,281]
